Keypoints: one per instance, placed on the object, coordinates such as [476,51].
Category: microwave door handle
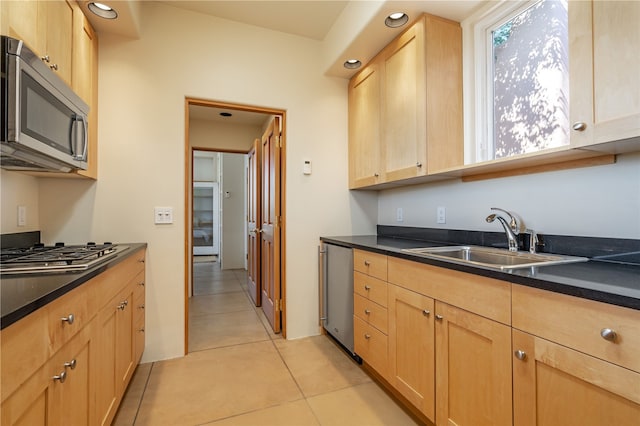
[85,140]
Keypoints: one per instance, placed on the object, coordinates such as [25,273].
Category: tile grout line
[144,390]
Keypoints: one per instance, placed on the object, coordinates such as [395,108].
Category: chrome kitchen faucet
[511,228]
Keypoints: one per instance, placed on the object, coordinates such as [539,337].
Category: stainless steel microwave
[44,124]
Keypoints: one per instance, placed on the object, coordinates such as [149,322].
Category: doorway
[218,137]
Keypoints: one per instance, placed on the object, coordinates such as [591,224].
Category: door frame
[188,182]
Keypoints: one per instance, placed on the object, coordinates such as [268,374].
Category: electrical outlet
[441,215]
[399,214]
[163,215]
[22,215]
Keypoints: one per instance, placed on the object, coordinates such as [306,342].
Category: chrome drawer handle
[68,319]
[439,317]
[141,283]
[141,307]
[366,287]
[141,330]
[521,355]
[61,377]
[426,312]
[608,334]
[367,312]
[71,364]
[367,263]
[367,336]
[141,260]
[54,67]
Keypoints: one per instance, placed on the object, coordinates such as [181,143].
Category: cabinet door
[18,21]
[364,128]
[55,19]
[85,81]
[411,347]
[604,68]
[116,352]
[473,369]
[72,400]
[404,137]
[555,385]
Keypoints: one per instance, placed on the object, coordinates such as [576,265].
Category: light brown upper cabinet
[405,106]
[46,27]
[365,166]
[85,81]
[604,70]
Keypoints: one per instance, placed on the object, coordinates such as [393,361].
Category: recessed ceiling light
[396,20]
[226,114]
[102,10]
[352,64]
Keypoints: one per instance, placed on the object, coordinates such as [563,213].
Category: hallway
[238,372]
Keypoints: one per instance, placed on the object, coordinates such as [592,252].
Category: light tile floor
[238,372]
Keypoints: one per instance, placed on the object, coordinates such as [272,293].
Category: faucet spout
[512,237]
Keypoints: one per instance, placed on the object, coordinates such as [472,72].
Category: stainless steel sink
[493,257]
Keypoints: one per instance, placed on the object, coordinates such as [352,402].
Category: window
[521,79]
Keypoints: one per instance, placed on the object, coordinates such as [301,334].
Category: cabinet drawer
[112,281]
[70,313]
[370,263]
[578,323]
[372,345]
[370,312]
[484,296]
[370,288]
[25,347]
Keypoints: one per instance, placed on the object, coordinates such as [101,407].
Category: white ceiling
[307,18]
[348,29]
[209,113]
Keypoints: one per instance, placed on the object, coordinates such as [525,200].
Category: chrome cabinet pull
[366,287]
[367,263]
[68,319]
[579,126]
[45,58]
[54,67]
[61,377]
[141,283]
[376,175]
[141,330]
[141,306]
[141,260]
[367,312]
[426,312]
[521,355]
[367,336]
[608,334]
[439,317]
[418,164]
[71,364]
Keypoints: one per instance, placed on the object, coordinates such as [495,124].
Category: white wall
[142,90]
[602,201]
[222,136]
[16,190]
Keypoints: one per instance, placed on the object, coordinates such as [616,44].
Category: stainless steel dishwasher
[335,264]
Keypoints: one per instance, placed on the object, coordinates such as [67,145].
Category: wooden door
[555,385]
[270,241]
[253,222]
[411,347]
[473,369]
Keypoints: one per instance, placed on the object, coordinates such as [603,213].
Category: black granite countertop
[21,295]
[603,281]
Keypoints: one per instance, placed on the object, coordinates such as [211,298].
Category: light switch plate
[441,215]
[163,215]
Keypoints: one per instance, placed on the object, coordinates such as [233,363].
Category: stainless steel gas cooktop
[59,258]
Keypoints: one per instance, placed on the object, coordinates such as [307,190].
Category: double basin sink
[492,257]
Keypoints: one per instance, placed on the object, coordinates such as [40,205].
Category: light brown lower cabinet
[473,369]
[471,351]
[411,347]
[60,372]
[555,385]
[58,392]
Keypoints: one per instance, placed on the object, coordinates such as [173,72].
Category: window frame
[478,76]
